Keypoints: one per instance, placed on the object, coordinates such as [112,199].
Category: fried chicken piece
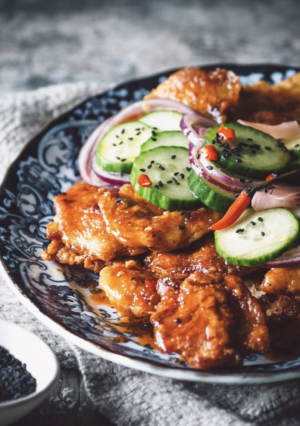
[130,289]
[136,223]
[57,251]
[269,103]
[208,319]
[285,281]
[79,226]
[199,257]
[211,93]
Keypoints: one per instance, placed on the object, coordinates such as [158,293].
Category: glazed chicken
[136,223]
[209,319]
[201,256]
[130,289]
[212,93]
[79,232]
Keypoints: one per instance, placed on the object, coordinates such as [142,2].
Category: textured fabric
[129,397]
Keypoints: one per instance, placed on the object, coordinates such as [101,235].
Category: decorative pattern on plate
[70,296]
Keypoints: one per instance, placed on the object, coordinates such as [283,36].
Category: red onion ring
[115,179]
[195,127]
[278,196]
[289,258]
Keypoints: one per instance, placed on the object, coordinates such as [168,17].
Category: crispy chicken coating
[136,223]
[283,281]
[212,93]
[199,257]
[130,289]
[79,226]
[211,320]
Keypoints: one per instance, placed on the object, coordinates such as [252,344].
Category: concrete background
[45,42]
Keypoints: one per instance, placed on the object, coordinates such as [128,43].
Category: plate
[67,299]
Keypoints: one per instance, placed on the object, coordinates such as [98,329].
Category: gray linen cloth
[130,397]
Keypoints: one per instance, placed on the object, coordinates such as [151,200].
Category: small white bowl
[41,363]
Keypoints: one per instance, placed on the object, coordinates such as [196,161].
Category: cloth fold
[126,396]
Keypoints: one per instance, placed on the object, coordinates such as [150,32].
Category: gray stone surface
[56,41]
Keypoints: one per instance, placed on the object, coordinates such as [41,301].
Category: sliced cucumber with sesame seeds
[293,145]
[118,148]
[258,237]
[166,139]
[167,167]
[252,153]
[209,194]
[162,120]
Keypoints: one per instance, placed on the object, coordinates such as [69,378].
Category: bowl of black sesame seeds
[29,371]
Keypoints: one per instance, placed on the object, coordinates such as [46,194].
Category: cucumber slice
[166,139]
[253,153]
[118,148]
[293,145]
[167,168]
[265,236]
[209,194]
[163,120]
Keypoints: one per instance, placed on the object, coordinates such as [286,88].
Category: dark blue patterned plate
[67,299]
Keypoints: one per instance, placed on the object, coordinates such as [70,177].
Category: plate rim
[192,375]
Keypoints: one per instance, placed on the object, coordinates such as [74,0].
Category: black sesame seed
[180,227]
[181,175]
[260,219]
[262,234]
[121,143]
[209,167]
[198,156]
[177,320]
[188,169]
[117,136]
[122,160]
[240,230]
[173,157]
[138,133]
[152,162]
[130,139]
[137,129]
[176,174]
[169,181]
[123,131]
[160,183]
[236,195]
[238,160]
[249,139]
[188,215]
[119,200]
[181,213]
[161,167]
[154,139]
[114,144]
[267,148]
[149,167]
[155,128]
[154,133]
[118,158]
[252,223]
[213,141]
[142,170]
[296,146]
[156,187]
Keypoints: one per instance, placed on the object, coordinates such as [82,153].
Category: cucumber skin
[239,168]
[266,258]
[208,196]
[106,166]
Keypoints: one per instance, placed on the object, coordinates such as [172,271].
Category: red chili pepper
[227,134]
[150,285]
[144,181]
[271,177]
[233,213]
[210,153]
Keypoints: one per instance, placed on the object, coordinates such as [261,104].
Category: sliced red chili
[233,213]
[210,153]
[144,181]
[227,134]
[271,177]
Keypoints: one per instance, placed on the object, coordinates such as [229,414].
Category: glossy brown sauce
[100,299]
[280,356]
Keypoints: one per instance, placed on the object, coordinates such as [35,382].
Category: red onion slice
[277,196]
[195,127]
[287,130]
[289,258]
[116,179]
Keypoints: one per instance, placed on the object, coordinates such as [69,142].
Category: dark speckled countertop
[57,41]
